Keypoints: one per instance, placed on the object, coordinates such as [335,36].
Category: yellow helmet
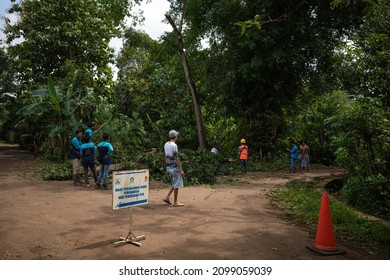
[242,141]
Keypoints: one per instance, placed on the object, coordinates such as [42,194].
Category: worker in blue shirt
[105,151]
[293,156]
[87,151]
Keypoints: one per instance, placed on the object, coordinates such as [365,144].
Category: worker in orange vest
[243,155]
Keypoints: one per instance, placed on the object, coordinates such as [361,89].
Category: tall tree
[178,29]
[50,32]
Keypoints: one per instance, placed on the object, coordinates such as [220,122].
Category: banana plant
[47,107]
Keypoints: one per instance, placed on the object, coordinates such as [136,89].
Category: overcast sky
[153,13]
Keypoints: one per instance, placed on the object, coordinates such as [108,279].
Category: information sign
[130,188]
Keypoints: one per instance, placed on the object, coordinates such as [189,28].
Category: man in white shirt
[174,168]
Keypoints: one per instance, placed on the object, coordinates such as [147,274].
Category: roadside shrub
[202,167]
[156,165]
[57,171]
[370,195]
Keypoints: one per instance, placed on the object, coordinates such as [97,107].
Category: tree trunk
[190,84]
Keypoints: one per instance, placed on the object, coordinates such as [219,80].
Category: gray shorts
[306,161]
[176,178]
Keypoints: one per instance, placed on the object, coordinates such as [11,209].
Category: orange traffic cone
[325,242]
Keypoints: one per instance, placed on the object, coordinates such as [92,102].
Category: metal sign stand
[130,238]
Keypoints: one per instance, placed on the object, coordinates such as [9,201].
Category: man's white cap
[173,133]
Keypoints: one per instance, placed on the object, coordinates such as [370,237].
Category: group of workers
[299,156]
[82,153]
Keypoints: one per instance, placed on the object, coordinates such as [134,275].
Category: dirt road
[56,220]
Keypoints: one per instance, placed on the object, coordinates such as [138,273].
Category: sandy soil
[56,220]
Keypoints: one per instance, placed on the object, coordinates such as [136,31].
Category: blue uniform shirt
[294,151]
[75,148]
[76,143]
[105,148]
[87,152]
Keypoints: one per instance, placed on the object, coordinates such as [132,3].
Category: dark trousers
[243,165]
[86,175]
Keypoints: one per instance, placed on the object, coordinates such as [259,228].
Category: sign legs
[130,238]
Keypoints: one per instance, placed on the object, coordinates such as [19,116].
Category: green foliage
[202,167]
[151,83]
[55,31]
[156,165]
[66,43]
[7,75]
[302,201]
[313,124]
[257,75]
[221,133]
[57,171]
[368,194]
[353,132]
[373,39]
[249,24]
[51,114]
[53,93]
[360,130]
[350,131]
[127,136]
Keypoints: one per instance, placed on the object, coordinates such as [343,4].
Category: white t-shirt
[171,150]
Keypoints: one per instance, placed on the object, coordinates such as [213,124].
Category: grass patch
[302,201]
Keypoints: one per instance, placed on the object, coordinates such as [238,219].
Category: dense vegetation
[272,71]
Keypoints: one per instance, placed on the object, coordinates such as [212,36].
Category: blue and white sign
[130,188]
